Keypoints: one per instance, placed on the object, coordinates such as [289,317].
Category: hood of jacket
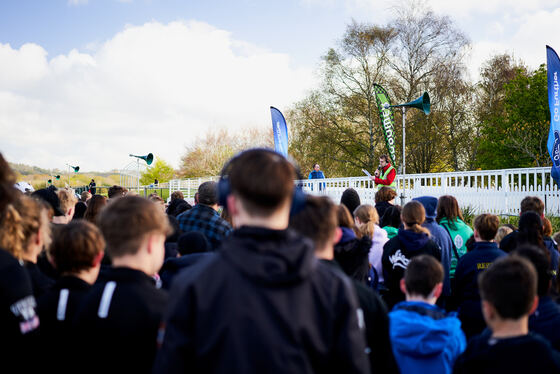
[413,240]
[347,235]
[419,329]
[272,257]
[177,207]
[430,205]
[174,264]
[379,236]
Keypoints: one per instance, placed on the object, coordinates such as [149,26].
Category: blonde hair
[67,199]
[20,221]
[502,232]
[367,214]
[414,215]
[85,196]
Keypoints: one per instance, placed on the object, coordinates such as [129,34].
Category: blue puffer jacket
[424,338]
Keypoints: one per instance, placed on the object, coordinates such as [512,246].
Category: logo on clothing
[24,310]
[458,241]
[398,259]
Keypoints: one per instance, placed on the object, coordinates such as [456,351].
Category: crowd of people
[258,277]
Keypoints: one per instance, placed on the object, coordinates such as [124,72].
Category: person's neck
[273,222]
[325,252]
[421,299]
[509,328]
[89,276]
[479,240]
[60,220]
[278,220]
[29,257]
[134,262]
[215,206]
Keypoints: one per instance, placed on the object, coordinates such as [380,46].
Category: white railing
[489,191]
[188,186]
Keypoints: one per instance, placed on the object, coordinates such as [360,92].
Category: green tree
[160,170]
[489,152]
[517,137]
[338,125]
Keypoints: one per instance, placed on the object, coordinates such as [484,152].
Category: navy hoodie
[397,253]
[546,321]
[466,287]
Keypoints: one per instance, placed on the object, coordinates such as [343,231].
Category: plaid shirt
[207,221]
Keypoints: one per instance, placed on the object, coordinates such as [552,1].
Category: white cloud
[151,88]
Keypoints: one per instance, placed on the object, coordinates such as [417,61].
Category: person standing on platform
[317,174]
[386,173]
[92,187]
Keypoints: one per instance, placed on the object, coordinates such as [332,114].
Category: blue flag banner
[553,144]
[280,132]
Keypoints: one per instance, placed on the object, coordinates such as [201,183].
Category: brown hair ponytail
[368,216]
[414,215]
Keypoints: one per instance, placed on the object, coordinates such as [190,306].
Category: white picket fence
[489,191]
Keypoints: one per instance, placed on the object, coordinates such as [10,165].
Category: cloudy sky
[87,82]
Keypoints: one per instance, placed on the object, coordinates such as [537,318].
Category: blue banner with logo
[553,76]
[280,132]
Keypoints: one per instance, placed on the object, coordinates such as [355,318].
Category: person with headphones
[264,302]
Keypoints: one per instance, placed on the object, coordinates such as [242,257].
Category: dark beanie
[192,242]
[350,199]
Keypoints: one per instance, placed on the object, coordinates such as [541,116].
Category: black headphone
[224,187]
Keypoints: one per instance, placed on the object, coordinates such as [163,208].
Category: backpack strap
[452,242]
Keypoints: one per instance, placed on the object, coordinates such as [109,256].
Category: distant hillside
[38,177]
[29,170]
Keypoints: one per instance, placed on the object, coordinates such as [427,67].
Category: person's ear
[97,259]
[403,286]
[231,205]
[38,237]
[535,305]
[337,235]
[488,311]
[436,292]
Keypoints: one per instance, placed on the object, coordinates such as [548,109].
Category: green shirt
[460,232]
[391,231]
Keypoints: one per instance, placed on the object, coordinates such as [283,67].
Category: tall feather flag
[280,132]
[553,144]
[387,120]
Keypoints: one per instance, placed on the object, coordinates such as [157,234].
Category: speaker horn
[76,168]
[422,103]
[149,158]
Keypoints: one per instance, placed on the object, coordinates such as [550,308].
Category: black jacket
[397,253]
[39,281]
[174,265]
[263,304]
[381,207]
[119,333]
[376,320]
[19,322]
[57,309]
[511,241]
[352,256]
[521,354]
